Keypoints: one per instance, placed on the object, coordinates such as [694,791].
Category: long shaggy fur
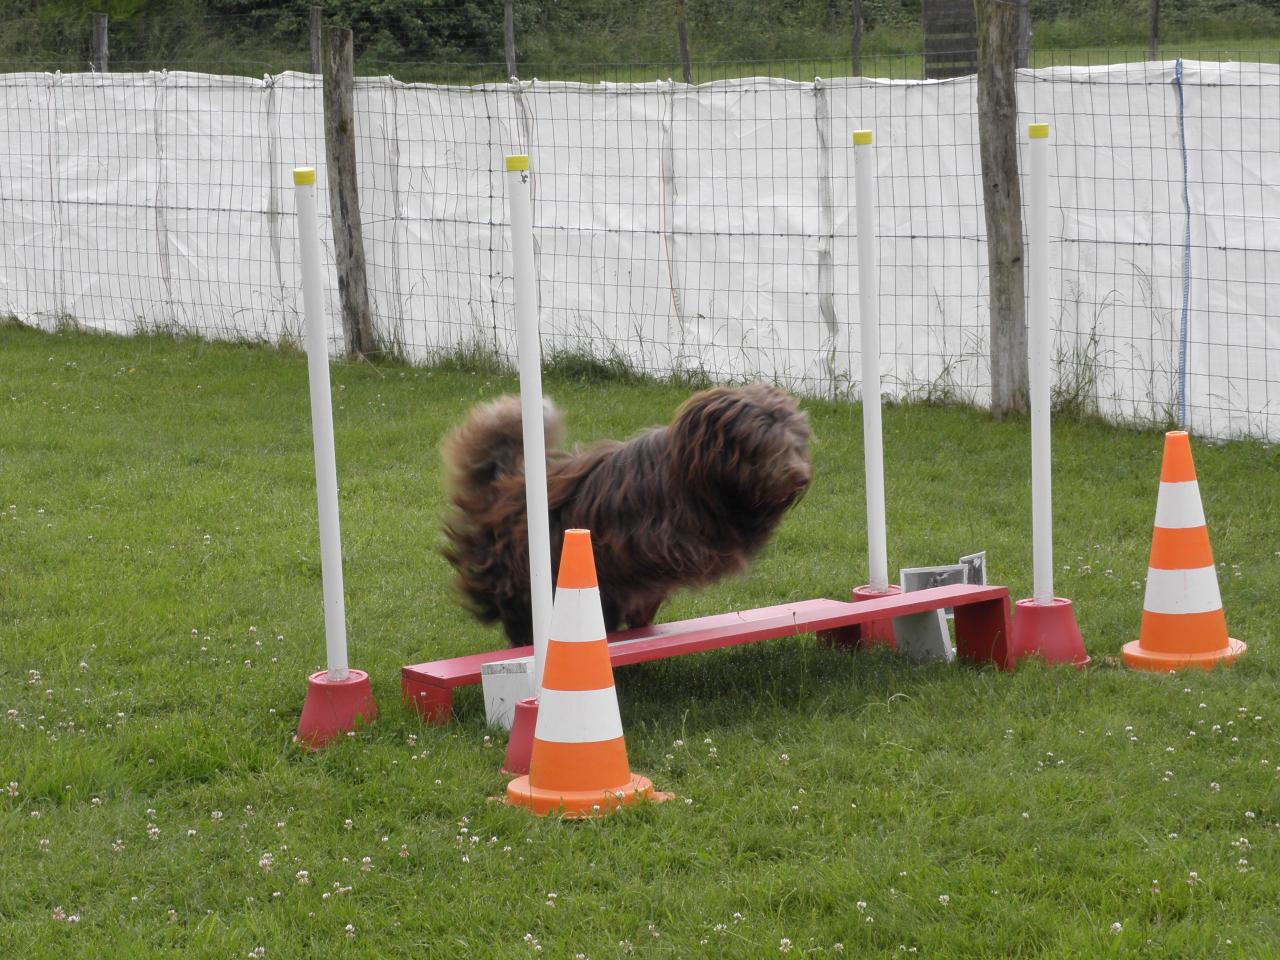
[674,506]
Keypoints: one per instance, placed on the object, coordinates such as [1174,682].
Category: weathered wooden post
[509,36]
[101,55]
[1002,202]
[682,32]
[1024,33]
[344,199]
[317,42]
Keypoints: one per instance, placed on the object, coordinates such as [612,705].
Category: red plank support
[981,617]
[983,631]
[433,700]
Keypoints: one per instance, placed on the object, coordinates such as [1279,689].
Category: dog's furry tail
[488,446]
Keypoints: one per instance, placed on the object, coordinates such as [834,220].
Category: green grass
[906,64]
[160,599]
[632,53]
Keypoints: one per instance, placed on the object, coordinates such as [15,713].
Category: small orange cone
[579,761]
[1183,624]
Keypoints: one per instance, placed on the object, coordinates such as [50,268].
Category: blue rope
[1184,333]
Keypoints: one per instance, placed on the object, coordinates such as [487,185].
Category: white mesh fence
[705,228]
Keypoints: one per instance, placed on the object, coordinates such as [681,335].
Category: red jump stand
[1046,623]
[877,633]
[1048,630]
[334,707]
[520,744]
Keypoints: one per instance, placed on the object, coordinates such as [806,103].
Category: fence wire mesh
[704,228]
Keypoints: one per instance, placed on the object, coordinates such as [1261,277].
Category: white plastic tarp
[679,227]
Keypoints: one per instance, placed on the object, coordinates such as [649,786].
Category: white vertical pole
[535,453]
[1038,349]
[335,619]
[869,327]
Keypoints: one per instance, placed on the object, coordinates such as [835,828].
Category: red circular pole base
[877,633]
[1048,630]
[333,707]
[520,744]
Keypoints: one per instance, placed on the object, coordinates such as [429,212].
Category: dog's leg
[518,625]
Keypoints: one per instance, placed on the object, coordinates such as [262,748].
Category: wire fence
[703,228]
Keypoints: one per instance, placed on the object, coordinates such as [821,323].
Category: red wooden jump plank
[460,671]
[676,643]
[725,629]
[785,621]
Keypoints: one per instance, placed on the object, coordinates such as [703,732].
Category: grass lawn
[910,66]
[160,609]
[875,63]
[895,55]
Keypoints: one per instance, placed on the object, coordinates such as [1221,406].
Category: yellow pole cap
[1038,131]
[518,161]
[861,137]
[302,176]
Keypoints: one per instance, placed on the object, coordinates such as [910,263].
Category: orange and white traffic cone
[579,761]
[1183,624]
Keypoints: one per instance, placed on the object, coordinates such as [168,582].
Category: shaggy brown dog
[674,506]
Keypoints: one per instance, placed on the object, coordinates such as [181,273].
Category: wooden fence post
[344,200]
[316,33]
[682,32]
[101,55]
[1024,33]
[1002,203]
[858,27]
[509,36]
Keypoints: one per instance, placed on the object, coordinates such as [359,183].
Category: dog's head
[743,447]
